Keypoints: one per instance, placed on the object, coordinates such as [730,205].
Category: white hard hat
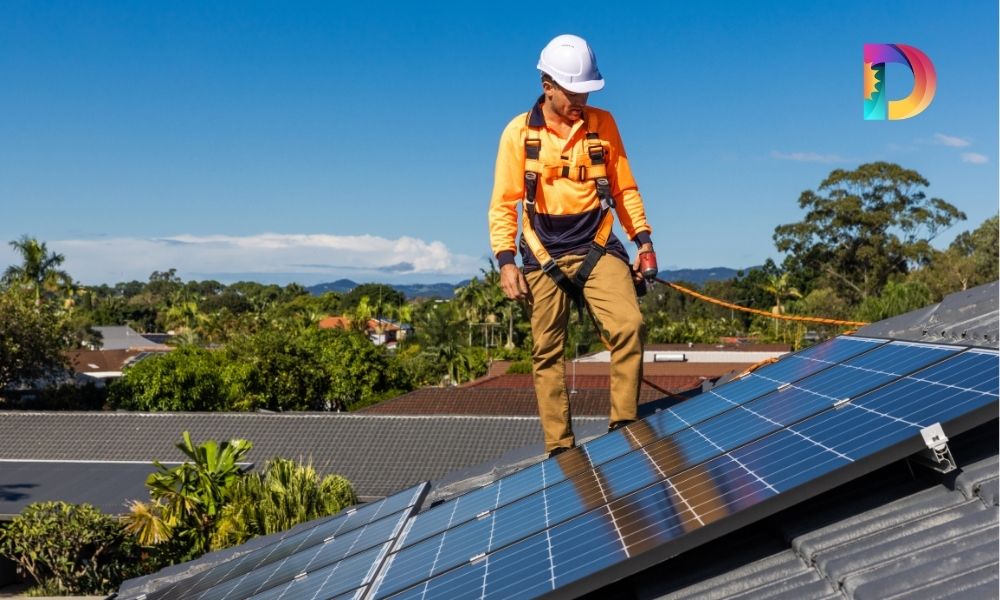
[571,63]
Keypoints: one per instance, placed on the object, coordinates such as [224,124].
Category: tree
[779,287]
[70,549]
[38,270]
[896,299]
[863,227]
[380,296]
[187,379]
[31,339]
[187,500]
[282,496]
[970,260]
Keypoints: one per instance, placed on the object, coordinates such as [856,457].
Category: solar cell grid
[331,539]
[344,578]
[608,447]
[306,561]
[743,478]
[662,456]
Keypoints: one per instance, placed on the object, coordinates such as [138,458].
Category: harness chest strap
[595,170]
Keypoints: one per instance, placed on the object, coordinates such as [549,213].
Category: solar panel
[592,485]
[339,579]
[528,481]
[330,540]
[704,500]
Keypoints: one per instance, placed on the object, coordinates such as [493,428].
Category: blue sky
[299,141]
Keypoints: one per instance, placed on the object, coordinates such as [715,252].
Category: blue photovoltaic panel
[585,485]
[527,481]
[331,538]
[674,506]
[342,578]
[312,559]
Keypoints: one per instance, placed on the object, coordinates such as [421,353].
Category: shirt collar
[537,119]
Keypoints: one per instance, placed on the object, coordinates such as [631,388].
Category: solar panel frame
[895,451]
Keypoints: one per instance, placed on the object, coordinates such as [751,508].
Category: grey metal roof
[887,535]
[378,454]
[123,337]
[105,485]
[970,318]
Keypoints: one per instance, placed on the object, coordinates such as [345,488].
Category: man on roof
[564,160]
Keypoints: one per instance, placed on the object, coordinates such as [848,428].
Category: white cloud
[974,158]
[808,157]
[280,258]
[950,140]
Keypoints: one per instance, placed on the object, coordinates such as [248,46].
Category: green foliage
[520,367]
[208,502]
[277,368]
[282,496]
[442,335]
[695,331]
[187,379]
[70,549]
[38,270]
[896,299]
[188,499]
[863,227]
[381,297]
[970,260]
[32,336]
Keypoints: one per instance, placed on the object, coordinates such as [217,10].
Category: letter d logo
[924,82]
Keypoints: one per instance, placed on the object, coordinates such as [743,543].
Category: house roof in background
[510,400]
[105,485]
[123,337]
[378,454]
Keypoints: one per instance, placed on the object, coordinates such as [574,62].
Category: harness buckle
[604,192]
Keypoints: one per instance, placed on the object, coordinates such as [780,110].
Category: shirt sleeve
[508,190]
[628,202]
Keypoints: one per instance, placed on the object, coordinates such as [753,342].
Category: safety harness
[595,169]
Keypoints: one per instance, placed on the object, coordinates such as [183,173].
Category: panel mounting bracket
[937,456]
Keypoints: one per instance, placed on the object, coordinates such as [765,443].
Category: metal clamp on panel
[937,456]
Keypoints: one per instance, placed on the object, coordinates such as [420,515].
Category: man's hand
[512,282]
[636,269]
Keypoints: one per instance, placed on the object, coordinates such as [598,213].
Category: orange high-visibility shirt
[568,211]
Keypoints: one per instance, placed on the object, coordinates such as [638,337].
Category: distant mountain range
[446,291]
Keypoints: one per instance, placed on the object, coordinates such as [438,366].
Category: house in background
[381,331]
[123,337]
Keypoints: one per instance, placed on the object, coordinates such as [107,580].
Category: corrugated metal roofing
[378,454]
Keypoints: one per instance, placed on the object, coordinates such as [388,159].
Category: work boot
[618,425]
[558,451]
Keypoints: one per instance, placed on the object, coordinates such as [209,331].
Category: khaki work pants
[610,296]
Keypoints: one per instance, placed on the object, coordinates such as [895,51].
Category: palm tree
[779,287]
[188,499]
[39,268]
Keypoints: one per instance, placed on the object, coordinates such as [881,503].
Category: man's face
[566,104]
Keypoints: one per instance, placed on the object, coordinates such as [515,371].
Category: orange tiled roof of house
[335,322]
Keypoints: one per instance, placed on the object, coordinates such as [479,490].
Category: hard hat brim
[583,87]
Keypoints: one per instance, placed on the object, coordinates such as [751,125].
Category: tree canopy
[862,227]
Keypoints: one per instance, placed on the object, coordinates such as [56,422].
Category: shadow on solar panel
[686,475]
